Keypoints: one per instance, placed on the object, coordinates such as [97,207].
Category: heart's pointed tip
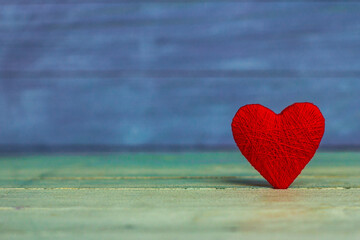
[281,185]
[281,188]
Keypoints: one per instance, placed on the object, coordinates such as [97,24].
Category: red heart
[278,146]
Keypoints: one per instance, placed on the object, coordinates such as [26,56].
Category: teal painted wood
[182,170]
[179,214]
[177,196]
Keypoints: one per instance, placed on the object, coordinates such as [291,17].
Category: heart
[278,146]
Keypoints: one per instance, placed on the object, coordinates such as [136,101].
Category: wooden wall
[160,73]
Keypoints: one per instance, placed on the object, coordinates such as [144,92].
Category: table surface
[175,196]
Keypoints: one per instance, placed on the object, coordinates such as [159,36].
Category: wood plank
[197,35]
[179,213]
[177,170]
[85,72]
[176,195]
[194,111]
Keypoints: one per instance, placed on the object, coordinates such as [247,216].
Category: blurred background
[137,75]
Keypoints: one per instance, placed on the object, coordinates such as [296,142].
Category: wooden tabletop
[175,196]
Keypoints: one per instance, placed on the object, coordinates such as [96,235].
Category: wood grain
[198,35]
[166,170]
[179,214]
[139,73]
[175,195]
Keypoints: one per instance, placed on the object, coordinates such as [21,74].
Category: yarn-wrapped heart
[278,146]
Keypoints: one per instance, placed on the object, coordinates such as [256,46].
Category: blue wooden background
[172,73]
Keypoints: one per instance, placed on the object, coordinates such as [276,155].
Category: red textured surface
[278,146]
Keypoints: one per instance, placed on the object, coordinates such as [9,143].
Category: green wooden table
[175,196]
